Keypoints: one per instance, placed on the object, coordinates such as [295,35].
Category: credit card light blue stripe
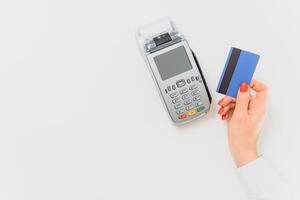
[243,72]
[222,76]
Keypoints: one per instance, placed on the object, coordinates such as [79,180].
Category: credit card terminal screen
[172,63]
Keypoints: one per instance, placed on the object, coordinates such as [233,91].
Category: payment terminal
[175,70]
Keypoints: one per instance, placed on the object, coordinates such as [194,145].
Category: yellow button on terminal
[192,112]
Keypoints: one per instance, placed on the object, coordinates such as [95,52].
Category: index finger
[225,101]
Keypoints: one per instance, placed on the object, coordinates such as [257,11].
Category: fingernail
[223,117]
[219,103]
[244,87]
[221,110]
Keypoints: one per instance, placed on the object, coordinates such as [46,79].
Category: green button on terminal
[201,108]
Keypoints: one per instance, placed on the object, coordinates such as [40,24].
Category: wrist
[243,152]
[243,157]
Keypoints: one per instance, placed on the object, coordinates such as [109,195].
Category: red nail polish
[223,117]
[221,110]
[219,103]
[244,87]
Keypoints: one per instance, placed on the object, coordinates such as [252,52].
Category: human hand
[245,117]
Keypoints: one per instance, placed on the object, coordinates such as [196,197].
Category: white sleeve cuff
[262,181]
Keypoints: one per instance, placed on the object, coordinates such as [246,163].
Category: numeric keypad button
[183,91]
[185,96]
[195,92]
[176,100]
[189,107]
[174,94]
[188,102]
[177,106]
[180,111]
[192,87]
[197,98]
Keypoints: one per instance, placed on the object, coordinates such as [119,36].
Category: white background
[80,117]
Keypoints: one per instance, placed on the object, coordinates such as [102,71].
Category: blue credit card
[239,68]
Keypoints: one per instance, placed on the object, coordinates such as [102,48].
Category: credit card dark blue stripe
[235,54]
[239,67]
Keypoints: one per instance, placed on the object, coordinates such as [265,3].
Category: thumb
[242,100]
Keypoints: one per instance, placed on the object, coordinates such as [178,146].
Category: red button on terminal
[182,116]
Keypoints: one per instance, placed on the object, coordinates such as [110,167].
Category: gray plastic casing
[150,51]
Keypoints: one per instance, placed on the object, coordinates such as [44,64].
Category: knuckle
[266,88]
